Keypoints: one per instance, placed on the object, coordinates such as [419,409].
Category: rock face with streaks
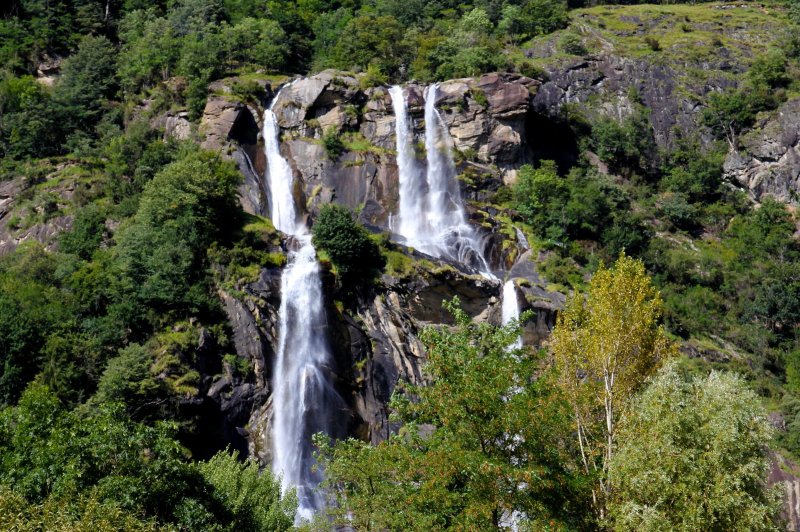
[767,160]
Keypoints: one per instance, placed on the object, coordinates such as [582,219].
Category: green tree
[606,345]
[545,16]
[99,457]
[260,42]
[539,196]
[348,244]
[693,455]
[470,49]
[32,308]
[88,81]
[128,380]
[252,497]
[480,440]
[30,122]
[149,52]
[86,233]
[626,146]
[729,113]
[84,513]
[690,170]
[328,27]
[162,251]
[371,39]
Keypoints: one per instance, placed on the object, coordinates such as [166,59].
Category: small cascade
[304,402]
[510,308]
[431,216]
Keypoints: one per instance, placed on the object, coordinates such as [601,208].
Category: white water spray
[510,308]
[411,220]
[280,181]
[431,216]
[304,401]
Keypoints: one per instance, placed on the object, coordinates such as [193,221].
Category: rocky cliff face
[767,161]
[374,337]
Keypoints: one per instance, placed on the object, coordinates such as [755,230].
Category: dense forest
[666,394]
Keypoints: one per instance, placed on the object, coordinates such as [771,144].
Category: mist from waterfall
[510,308]
[431,215]
[304,401]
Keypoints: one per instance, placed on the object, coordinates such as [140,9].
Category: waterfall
[453,235]
[431,215]
[304,401]
[411,219]
[510,308]
[280,181]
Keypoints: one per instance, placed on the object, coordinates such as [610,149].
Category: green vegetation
[111,336]
[102,467]
[348,245]
[595,427]
[99,344]
[716,439]
[483,437]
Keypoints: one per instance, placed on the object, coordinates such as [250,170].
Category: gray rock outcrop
[767,161]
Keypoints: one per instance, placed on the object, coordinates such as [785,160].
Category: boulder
[48,70]
[175,124]
[220,116]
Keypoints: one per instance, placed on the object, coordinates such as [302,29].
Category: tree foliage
[107,471]
[162,251]
[481,440]
[253,497]
[347,244]
[605,346]
[693,456]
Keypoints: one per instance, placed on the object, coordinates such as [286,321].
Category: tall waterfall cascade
[411,221]
[510,308]
[431,215]
[304,402]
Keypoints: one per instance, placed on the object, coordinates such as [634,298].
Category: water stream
[510,308]
[304,401]
[431,215]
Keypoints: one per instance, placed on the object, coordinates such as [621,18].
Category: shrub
[538,195]
[680,213]
[526,68]
[347,244]
[373,77]
[332,142]
[86,233]
[728,113]
[769,69]
[694,172]
[653,43]
[625,146]
[714,443]
[563,271]
[572,44]
[480,97]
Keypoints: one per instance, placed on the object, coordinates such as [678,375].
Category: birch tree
[606,344]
